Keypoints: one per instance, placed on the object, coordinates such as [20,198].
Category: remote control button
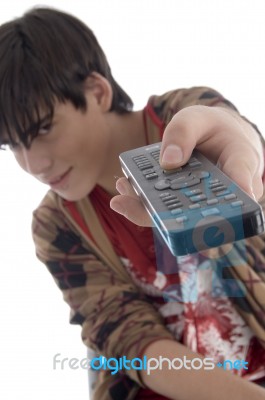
[172,171]
[184,185]
[148,171]
[230,196]
[176,211]
[182,178]
[212,181]
[141,161]
[200,197]
[140,157]
[237,203]
[163,184]
[202,174]
[173,201]
[144,162]
[194,206]
[156,155]
[212,201]
[218,189]
[169,197]
[182,219]
[145,166]
[165,194]
[193,192]
[211,211]
[224,193]
[151,176]
[215,185]
[175,205]
[194,164]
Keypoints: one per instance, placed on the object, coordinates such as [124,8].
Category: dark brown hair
[46,55]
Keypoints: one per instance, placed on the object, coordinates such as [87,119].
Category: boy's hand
[221,135]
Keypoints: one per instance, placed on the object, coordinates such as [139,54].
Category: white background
[153,46]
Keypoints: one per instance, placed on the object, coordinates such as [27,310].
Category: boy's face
[69,156]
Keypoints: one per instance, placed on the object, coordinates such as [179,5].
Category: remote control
[194,207]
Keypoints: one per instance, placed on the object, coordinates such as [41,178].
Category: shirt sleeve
[168,104]
[117,319]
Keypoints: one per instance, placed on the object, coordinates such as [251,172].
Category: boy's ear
[97,85]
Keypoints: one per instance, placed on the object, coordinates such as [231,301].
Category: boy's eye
[45,129]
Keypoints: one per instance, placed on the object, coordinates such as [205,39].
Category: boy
[66,120]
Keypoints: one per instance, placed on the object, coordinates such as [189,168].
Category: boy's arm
[200,384]
[200,117]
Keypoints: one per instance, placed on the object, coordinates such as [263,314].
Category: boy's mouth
[60,180]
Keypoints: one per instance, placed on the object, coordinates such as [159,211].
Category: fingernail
[120,187]
[172,154]
[118,208]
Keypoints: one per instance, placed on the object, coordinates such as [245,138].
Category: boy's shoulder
[169,103]
[49,208]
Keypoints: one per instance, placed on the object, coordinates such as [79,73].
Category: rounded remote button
[151,176]
[163,184]
[194,206]
[212,201]
[181,178]
[183,185]
[214,185]
[196,163]
[171,201]
[174,205]
[140,157]
[176,211]
[192,192]
[230,196]
[172,171]
[218,188]
[210,211]
[212,181]
[224,193]
[237,203]
[202,174]
[168,197]
[148,171]
[199,197]
[182,219]
[164,194]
